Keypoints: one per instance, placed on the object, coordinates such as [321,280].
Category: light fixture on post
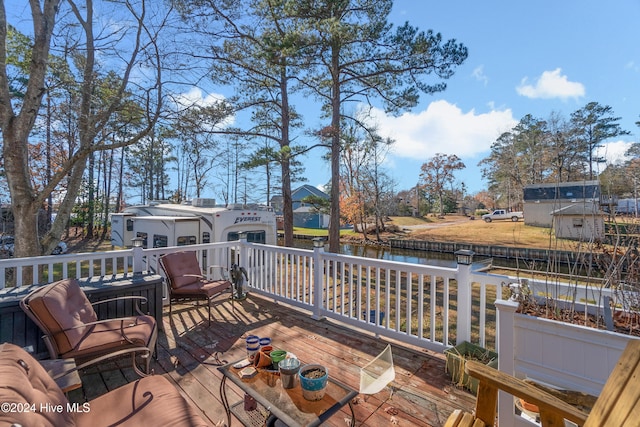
[318,242]
[137,243]
[464,256]
[242,236]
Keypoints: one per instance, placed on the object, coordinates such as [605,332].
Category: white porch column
[464,258]
[505,346]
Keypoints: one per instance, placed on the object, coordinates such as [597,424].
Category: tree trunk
[334,219]
[285,161]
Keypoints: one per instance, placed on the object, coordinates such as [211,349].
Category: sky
[524,58]
[535,58]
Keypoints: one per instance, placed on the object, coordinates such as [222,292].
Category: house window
[578,222]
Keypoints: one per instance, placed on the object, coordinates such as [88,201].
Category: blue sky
[524,58]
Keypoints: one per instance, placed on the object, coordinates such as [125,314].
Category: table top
[289,405]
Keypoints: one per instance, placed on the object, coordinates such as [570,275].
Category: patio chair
[72,330]
[186,281]
[617,404]
[149,401]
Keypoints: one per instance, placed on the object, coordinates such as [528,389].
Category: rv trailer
[162,224]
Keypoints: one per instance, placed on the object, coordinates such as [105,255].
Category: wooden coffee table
[287,405]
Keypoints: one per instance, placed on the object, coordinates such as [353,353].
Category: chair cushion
[202,287]
[182,268]
[24,381]
[61,306]
[150,401]
[115,334]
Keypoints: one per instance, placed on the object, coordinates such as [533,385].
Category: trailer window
[160,241]
[186,240]
[252,236]
[206,237]
[129,225]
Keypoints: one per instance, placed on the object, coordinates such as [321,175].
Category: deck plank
[189,352]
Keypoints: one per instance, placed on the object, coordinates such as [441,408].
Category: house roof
[578,209]
[308,189]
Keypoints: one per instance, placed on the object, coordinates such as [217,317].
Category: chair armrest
[138,299]
[491,380]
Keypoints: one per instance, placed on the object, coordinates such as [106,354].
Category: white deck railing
[430,306]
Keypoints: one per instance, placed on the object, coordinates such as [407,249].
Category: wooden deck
[189,352]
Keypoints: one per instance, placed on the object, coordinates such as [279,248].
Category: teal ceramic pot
[313,380]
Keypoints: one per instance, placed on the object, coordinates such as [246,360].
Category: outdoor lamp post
[464,256]
[242,235]
[318,242]
[137,242]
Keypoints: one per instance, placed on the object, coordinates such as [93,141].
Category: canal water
[391,254]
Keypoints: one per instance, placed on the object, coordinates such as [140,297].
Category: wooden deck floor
[189,352]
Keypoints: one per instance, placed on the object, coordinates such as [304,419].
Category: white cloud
[443,128]
[551,84]
[196,97]
[613,151]
[478,74]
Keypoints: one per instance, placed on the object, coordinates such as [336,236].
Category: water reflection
[390,254]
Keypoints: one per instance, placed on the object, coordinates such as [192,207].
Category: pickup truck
[502,214]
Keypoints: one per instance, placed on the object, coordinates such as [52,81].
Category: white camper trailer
[162,224]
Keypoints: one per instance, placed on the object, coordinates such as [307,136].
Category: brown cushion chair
[72,329]
[186,281]
[24,384]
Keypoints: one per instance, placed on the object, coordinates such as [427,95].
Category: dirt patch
[78,243]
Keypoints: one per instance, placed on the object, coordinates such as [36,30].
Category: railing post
[318,250]
[505,347]
[243,256]
[464,259]
[138,261]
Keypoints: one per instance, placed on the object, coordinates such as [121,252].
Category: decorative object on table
[238,274]
[266,341]
[375,375]
[288,371]
[248,372]
[457,356]
[250,403]
[253,347]
[277,356]
[313,380]
[262,360]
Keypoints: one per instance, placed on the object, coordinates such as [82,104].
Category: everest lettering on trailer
[247,219]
